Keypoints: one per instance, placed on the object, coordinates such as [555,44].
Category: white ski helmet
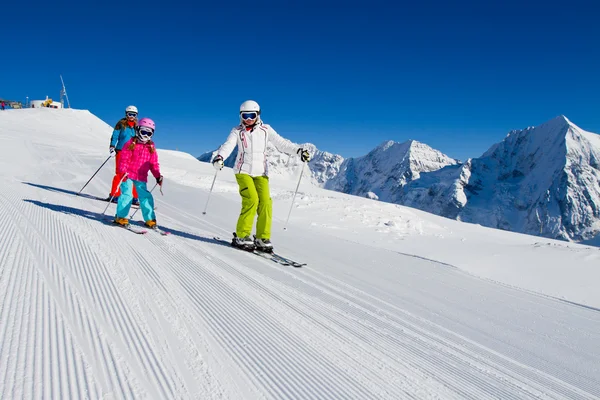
[250,106]
[131,109]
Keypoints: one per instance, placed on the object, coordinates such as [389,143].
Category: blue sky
[345,76]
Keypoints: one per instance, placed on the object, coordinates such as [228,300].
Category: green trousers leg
[256,199]
[265,207]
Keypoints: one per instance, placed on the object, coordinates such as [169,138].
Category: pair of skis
[276,258]
[138,230]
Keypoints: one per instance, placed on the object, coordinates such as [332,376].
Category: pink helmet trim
[146,123]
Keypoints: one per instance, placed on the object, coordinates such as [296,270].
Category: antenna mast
[63,92]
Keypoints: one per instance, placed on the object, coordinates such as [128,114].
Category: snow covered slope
[541,181]
[394,303]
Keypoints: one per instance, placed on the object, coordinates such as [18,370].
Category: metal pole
[209,193]
[105,161]
[112,197]
[64,89]
[294,198]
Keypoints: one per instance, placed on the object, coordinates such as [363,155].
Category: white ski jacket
[252,148]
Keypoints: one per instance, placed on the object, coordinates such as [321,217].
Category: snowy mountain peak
[386,145]
[410,149]
[556,125]
[561,119]
[388,167]
[390,147]
[541,180]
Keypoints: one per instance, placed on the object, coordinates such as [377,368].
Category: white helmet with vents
[131,109]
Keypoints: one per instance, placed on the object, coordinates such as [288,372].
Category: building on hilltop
[49,103]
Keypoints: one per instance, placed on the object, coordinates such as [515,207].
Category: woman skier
[138,156]
[251,173]
[124,131]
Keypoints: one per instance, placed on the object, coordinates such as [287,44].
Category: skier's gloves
[218,163]
[112,151]
[304,155]
[159,180]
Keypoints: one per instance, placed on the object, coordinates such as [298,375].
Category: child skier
[124,131]
[138,156]
[251,138]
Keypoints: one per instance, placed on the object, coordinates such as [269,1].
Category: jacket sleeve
[227,147]
[154,166]
[115,137]
[281,144]
[124,159]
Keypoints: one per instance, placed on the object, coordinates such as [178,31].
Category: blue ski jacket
[121,135]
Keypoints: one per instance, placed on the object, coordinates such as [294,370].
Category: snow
[394,302]
[542,180]
[386,169]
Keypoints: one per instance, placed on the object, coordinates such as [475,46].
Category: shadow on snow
[102,218]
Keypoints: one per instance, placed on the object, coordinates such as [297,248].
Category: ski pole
[209,193]
[141,205]
[294,198]
[113,196]
[105,161]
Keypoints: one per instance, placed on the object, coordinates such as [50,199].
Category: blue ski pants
[126,198]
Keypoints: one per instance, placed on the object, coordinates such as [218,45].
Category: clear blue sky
[343,75]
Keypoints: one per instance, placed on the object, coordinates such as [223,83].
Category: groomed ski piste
[393,303]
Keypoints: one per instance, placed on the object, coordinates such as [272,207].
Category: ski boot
[135,202]
[151,224]
[121,221]
[245,243]
[263,245]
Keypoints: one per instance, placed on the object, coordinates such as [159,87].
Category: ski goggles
[131,114]
[249,115]
[146,132]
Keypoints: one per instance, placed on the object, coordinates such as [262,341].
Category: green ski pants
[256,199]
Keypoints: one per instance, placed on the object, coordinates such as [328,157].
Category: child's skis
[129,227]
[158,230]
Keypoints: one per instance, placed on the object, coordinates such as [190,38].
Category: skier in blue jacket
[124,131]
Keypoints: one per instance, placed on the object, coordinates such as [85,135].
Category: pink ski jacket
[136,159]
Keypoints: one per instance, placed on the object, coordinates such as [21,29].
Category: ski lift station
[49,103]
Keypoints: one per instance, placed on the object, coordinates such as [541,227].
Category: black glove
[159,180]
[304,155]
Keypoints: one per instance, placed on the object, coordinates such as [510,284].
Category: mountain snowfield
[542,180]
[387,168]
[394,303]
